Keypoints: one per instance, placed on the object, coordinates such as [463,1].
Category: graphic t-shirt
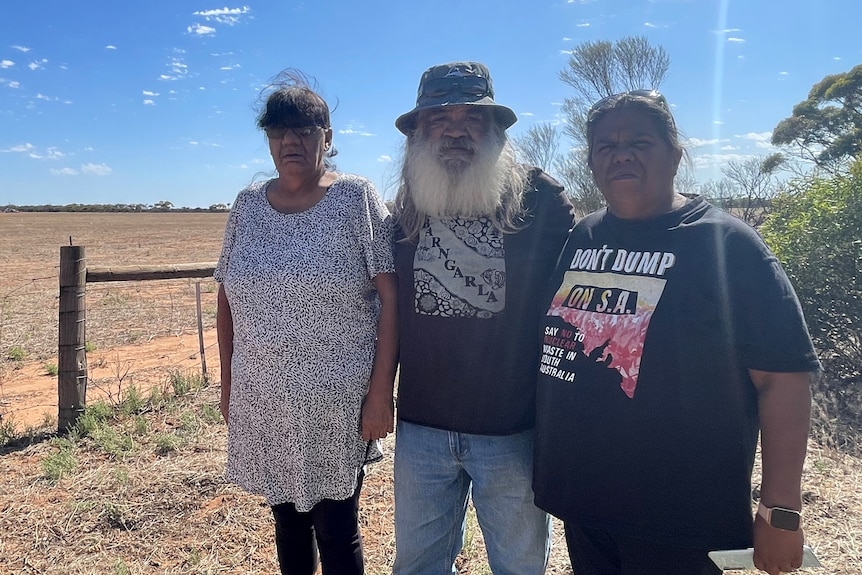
[469,310]
[460,268]
[646,414]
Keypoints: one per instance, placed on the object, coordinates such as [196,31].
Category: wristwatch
[780,517]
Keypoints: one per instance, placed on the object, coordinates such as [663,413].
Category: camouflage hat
[455,84]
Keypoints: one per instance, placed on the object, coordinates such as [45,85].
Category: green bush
[16,353]
[59,463]
[815,231]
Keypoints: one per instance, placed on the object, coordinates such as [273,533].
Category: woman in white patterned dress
[307,333]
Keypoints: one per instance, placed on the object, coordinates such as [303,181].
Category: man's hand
[775,550]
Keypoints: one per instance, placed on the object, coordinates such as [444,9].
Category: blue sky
[107,101]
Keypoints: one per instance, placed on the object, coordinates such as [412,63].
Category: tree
[755,183]
[594,70]
[539,146]
[827,127]
[815,230]
[163,206]
[747,188]
[600,69]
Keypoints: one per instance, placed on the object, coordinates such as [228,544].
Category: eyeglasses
[654,95]
[471,85]
[278,133]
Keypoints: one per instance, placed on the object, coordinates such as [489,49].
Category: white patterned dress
[305,316]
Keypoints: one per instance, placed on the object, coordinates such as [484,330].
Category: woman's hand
[224,330]
[378,416]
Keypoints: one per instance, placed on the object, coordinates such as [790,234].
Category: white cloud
[229,16]
[736,40]
[200,30]
[38,64]
[755,136]
[231,67]
[110,47]
[349,131]
[583,25]
[64,172]
[46,98]
[50,154]
[729,30]
[21,48]
[707,160]
[650,25]
[178,70]
[149,103]
[148,93]
[20,148]
[95,169]
[6,63]
[383,158]
[566,39]
[526,114]
[764,145]
[698,143]
[836,57]
[783,73]
[728,148]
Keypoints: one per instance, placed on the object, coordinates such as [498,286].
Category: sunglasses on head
[470,85]
[654,95]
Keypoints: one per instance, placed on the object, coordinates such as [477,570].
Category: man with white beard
[477,237]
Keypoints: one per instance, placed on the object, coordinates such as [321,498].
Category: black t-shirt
[469,310]
[647,417]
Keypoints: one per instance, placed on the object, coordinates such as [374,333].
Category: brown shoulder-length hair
[291,100]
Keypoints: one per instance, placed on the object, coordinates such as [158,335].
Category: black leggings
[331,527]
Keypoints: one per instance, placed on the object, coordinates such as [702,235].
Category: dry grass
[149,496]
[161,504]
[147,509]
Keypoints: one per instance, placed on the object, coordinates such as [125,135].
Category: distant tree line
[162,206]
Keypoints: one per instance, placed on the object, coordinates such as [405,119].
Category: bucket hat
[455,84]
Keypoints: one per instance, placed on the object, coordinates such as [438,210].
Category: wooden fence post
[72,354]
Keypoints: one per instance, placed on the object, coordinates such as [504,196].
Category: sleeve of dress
[374,226]
[229,240]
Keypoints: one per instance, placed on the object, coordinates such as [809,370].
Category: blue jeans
[435,472]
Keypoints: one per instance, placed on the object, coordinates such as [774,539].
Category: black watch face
[784,519]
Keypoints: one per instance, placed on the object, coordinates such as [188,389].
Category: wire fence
[139,334]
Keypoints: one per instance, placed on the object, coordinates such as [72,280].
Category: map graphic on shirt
[459,269]
[606,318]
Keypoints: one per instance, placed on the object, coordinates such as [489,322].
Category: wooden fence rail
[72,337]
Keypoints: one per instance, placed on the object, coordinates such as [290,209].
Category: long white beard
[473,190]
